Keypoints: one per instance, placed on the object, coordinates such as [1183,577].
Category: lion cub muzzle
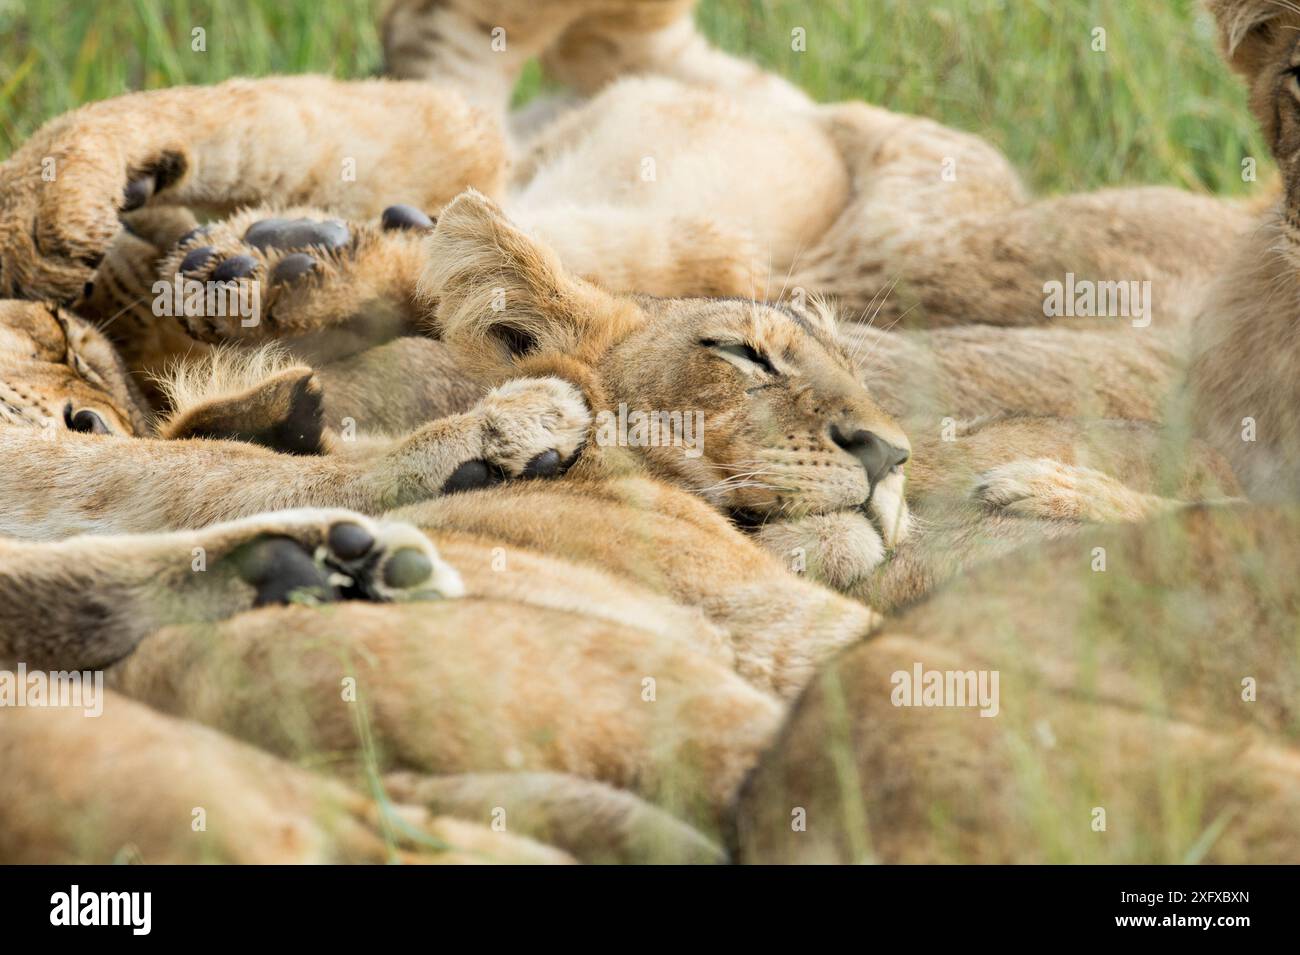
[878,456]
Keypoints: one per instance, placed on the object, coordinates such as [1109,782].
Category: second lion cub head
[1244,374]
[755,407]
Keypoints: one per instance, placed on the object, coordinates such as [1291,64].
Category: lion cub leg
[1047,489]
[594,822]
[86,602]
[478,47]
[132,778]
[527,427]
[481,46]
[333,287]
[659,39]
[353,147]
[649,250]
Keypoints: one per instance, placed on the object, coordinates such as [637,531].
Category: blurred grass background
[1156,107]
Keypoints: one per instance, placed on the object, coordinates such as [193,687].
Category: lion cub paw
[290,271]
[1050,490]
[838,549]
[531,428]
[330,555]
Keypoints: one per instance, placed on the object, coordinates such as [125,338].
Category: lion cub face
[774,423]
[754,407]
[57,371]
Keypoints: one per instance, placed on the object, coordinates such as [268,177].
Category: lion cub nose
[877,455]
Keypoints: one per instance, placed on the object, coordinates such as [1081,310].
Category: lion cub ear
[501,295]
[1248,32]
[284,412]
[819,313]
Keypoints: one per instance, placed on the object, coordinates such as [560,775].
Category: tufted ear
[260,398]
[1247,31]
[502,296]
[283,413]
[819,313]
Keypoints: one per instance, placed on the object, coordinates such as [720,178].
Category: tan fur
[738,611]
[740,607]
[1143,715]
[507,307]
[140,776]
[1242,384]
[918,248]
[622,349]
[85,602]
[638,188]
[467,685]
[897,217]
[492,292]
[518,596]
[1052,476]
[768,624]
[639,191]
[594,822]
[870,219]
[927,376]
[376,263]
[120,301]
[1047,489]
[585,44]
[767,446]
[53,365]
[233,144]
[47,497]
[359,387]
[222,373]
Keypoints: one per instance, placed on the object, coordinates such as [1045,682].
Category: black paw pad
[235,267]
[297,234]
[138,192]
[348,541]
[192,234]
[195,259]
[278,567]
[545,465]
[572,459]
[407,568]
[293,267]
[405,217]
[472,475]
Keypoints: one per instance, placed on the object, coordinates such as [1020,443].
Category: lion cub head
[1261,41]
[57,371]
[755,407]
[1244,372]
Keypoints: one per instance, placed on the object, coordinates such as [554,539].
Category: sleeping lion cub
[762,408]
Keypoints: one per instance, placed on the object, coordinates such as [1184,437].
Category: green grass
[1156,107]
